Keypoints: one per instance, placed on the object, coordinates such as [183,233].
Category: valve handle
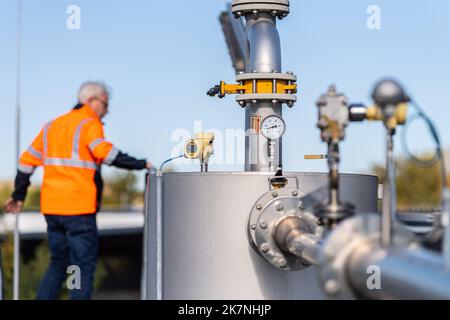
[215,91]
[315,156]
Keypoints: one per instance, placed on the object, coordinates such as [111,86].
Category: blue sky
[160,57]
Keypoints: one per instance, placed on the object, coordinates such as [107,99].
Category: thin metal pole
[144,278]
[1,274]
[159,237]
[445,223]
[16,225]
[389,203]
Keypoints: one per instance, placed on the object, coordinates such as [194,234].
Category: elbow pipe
[264,54]
[293,236]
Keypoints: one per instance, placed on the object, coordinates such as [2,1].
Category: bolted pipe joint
[282,232]
[263,88]
[277,8]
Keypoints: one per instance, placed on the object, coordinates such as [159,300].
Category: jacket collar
[85,108]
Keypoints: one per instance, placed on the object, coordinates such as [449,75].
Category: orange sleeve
[102,150]
[33,156]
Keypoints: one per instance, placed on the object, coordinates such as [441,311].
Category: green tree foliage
[32,202]
[417,187]
[121,191]
[5,192]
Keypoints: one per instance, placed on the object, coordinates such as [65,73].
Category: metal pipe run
[293,236]
[404,274]
[364,266]
[264,55]
[264,43]
[389,193]
[305,246]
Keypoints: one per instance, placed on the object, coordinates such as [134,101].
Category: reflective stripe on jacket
[71,149]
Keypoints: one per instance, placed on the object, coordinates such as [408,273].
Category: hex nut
[332,287]
[264,248]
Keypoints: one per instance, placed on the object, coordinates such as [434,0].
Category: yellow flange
[262,86]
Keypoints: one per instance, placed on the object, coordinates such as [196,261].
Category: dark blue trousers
[73,242]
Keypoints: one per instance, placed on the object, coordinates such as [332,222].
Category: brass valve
[391,105]
[375,113]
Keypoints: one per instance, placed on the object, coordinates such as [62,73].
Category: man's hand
[149,165]
[13,206]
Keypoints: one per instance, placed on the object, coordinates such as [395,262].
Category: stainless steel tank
[196,244]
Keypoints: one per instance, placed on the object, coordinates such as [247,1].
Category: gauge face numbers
[273,127]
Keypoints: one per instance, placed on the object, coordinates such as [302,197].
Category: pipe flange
[289,99]
[262,203]
[271,209]
[340,244]
[266,76]
[278,8]
[283,88]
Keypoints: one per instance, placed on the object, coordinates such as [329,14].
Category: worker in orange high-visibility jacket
[71,150]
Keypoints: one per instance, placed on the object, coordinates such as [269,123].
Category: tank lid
[278,8]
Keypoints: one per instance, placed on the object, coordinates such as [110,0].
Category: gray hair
[92,89]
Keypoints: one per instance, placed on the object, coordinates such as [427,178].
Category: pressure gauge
[273,127]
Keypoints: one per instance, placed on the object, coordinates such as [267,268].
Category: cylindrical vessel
[205,250]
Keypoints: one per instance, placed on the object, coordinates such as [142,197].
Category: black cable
[420,115]
[438,155]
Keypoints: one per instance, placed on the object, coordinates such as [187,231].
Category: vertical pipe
[333,175]
[144,277]
[159,237]
[152,279]
[16,277]
[264,43]
[388,204]
[1,274]
[264,55]
[272,155]
[445,221]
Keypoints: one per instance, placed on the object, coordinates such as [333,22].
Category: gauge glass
[273,127]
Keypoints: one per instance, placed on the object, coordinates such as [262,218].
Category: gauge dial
[273,127]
